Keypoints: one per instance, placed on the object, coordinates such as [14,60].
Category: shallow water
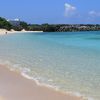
[67,61]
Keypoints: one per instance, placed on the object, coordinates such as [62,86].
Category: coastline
[13,86]
[4,31]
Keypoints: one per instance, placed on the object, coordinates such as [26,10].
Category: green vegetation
[5,24]
[48,27]
[23,25]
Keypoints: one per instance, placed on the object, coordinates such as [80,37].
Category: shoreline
[15,83]
[6,32]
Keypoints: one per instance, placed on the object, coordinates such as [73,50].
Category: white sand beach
[4,31]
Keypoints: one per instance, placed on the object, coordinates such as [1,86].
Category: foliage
[23,25]
[5,24]
[49,27]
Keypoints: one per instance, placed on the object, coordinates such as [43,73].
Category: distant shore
[4,31]
[15,87]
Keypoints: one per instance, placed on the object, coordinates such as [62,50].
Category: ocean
[66,61]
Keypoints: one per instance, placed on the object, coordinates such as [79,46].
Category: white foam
[50,80]
[24,72]
[26,76]
[89,98]
[77,94]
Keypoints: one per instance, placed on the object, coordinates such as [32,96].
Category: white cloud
[94,13]
[69,10]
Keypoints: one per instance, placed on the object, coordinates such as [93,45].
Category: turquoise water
[69,62]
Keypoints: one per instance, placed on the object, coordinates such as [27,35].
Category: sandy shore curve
[13,86]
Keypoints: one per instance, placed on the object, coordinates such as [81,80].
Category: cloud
[69,10]
[94,13]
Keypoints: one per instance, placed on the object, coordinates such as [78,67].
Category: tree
[24,25]
[5,24]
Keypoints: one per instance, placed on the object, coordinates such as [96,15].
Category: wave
[24,72]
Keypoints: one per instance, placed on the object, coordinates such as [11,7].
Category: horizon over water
[68,61]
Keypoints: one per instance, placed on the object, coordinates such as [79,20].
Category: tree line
[48,27]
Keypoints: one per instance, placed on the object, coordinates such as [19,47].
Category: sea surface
[66,61]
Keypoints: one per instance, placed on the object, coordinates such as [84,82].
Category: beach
[13,86]
[64,66]
[4,31]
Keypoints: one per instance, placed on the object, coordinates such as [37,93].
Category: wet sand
[13,86]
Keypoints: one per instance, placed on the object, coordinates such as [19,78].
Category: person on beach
[6,32]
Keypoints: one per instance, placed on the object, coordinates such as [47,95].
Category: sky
[52,11]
